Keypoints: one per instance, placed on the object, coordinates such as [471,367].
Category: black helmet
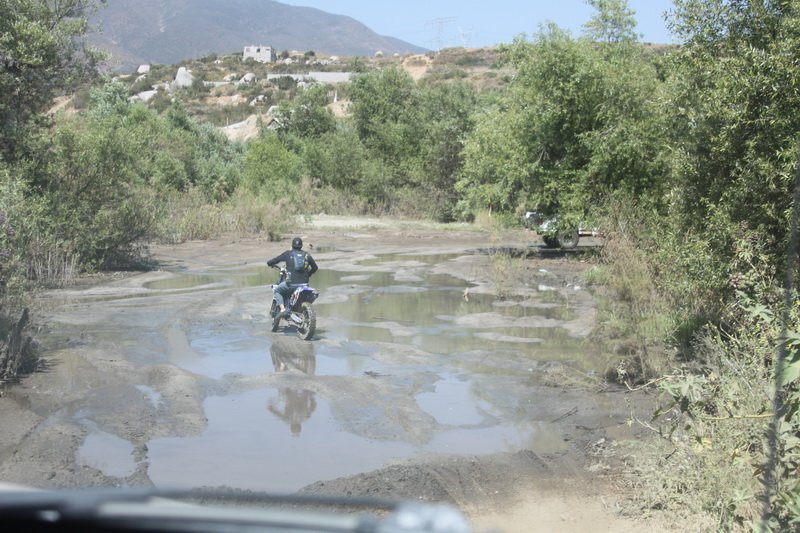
[297,243]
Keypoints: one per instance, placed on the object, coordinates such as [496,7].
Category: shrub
[270,168]
[721,316]
[715,415]
[190,215]
[18,353]
[635,313]
[13,245]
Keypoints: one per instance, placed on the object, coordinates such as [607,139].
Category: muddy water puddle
[405,363]
[106,452]
[282,440]
[221,355]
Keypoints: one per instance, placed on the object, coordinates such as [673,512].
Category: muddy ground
[117,376]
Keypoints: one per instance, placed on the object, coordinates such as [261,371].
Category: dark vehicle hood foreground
[199,510]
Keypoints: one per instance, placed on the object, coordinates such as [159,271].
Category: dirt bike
[298,306]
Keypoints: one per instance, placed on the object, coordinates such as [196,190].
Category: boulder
[144,96]
[248,78]
[257,100]
[243,131]
[143,69]
[184,78]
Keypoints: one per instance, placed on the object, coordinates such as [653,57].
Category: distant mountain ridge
[169,31]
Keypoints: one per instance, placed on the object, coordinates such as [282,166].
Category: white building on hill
[262,54]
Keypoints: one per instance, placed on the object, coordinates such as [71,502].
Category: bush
[95,193]
[31,251]
[676,287]
[270,168]
[92,201]
[18,353]
[13,245]
[715,415]
[189,216]
[635,313]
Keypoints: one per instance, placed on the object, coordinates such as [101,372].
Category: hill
[224,101]
[170,31]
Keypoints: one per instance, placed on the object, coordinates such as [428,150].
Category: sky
[436,24]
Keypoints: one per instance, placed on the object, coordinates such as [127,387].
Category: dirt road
[421,383]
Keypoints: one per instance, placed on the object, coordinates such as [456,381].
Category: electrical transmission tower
[465,35]
[438,26]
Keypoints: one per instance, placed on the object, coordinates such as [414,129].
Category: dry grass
[635,315]
[18,354]
[50,265]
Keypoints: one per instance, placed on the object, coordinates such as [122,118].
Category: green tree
[736,132]
[271,168]
[102,174]
[384,107]
[98,203]
[614,21]
[496,171]
[579,124]
[448,111]
[19,219]
[736,117]
[338,159]
[211,162]
[42,55]
[307,115]
[173,151]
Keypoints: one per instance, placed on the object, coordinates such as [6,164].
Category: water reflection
[293,405]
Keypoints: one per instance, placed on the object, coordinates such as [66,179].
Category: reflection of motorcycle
[290,356]
[293,405]
[298,307]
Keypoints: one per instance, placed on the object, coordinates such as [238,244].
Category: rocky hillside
[169,31]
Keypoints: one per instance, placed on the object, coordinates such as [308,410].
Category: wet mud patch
[416,365]
[405,364]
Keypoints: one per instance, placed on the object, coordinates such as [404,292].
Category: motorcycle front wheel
[273,313]
[306,328]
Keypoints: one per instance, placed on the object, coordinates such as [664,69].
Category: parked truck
[554,233]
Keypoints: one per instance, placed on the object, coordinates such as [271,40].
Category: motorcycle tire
[276,319]
[306,328]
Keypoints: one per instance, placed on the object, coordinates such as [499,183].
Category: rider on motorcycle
[299,265]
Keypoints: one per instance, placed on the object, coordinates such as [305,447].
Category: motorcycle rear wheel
[305,330]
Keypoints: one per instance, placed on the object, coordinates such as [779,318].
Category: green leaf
[790,372]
